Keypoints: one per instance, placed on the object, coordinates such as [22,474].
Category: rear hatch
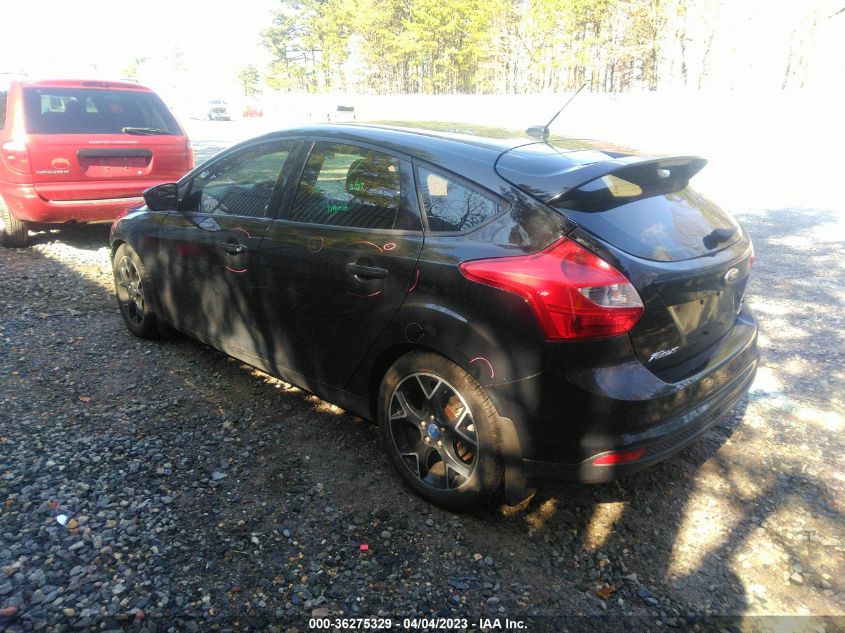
[688,259]
[97,143]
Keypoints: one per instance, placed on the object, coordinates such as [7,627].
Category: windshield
[90,111]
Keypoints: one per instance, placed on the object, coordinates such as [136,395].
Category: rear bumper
[672,436]
[567,419]
[25,204]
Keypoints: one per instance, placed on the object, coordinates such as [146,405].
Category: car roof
[450,150]
[82,83]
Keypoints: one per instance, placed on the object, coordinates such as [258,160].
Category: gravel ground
[165,486]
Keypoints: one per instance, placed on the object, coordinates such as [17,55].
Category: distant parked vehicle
[218,110]
[81,151]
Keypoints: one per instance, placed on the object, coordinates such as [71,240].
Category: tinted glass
[343,185]
[452,207]
[240,184]
[3,94]
[83,111]
[668,227]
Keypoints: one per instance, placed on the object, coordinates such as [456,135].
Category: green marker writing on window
[336,207]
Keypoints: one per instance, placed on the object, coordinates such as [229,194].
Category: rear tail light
[619,457]
[16,156]
[575,294]
[189,149]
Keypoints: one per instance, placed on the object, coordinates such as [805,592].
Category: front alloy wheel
[133,291]
[130,292]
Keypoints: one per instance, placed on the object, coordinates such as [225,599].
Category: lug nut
[440,443]
[427,439]
[471,428]
[422,424]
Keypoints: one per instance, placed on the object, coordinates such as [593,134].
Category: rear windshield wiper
[718,236]
[144,131]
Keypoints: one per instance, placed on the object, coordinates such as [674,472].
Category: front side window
[344,185]
[241,183]
[452,207]
[90,111]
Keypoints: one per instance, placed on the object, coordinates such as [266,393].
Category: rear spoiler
[653,176]
[557,176]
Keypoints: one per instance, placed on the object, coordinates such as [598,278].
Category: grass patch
[506,133]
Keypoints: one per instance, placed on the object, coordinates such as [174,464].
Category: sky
[97,39]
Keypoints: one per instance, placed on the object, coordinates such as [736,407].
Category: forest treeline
[518,46]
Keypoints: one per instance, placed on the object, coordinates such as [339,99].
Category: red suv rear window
[91,111]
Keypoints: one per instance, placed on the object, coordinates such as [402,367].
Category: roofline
[479,142]
[122,84]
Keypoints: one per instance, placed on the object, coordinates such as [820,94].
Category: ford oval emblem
[731,276]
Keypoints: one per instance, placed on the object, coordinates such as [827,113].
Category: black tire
[430,412]
[13,232]
[134,293]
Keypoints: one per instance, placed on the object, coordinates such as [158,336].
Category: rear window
[669,227]
[92,111]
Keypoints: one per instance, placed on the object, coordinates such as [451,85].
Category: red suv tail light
[575,294]
[16,156]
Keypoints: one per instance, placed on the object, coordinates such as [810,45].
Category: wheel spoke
[123,274]
[409,412]
[428,395]
[455,464]
[462,432]
[420,453]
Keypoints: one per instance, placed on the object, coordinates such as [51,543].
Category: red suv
[82,151]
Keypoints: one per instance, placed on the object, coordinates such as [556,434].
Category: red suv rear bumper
[25,204]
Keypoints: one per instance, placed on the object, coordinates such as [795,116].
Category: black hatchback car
[505,311]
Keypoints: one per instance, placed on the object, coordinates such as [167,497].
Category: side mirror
[162,197]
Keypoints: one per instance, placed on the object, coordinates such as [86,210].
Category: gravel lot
[165,486]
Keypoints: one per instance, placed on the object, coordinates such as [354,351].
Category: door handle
[234,248]
[368,272]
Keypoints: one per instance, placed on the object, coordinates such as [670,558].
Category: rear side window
[344,185]
[240,184]
[452,207]
[90,111]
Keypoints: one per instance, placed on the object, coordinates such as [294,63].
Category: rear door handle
[234,248]
[368,272]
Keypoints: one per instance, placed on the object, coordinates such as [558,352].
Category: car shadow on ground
[711,531]
[89,237]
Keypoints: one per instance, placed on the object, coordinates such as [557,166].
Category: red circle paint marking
[484,360]
[389,246]
[367,244]
[416,281]
[240,270]
[244,231]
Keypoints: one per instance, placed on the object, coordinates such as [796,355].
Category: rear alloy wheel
[134,293]
[13,232]
[440,430]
